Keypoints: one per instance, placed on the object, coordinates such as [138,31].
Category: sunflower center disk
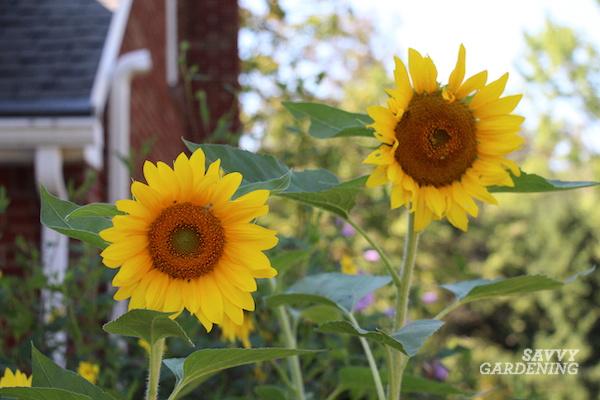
[186,241]
[436,140]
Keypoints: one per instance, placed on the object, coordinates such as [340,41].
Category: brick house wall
[158,112]
[161,114]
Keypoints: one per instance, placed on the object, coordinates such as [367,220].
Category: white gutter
[119,176]
[171,50]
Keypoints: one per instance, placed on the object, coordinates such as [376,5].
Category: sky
[492,32]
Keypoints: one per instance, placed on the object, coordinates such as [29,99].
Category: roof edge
[110,52]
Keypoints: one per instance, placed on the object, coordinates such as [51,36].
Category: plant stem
[336,392]
[371,360]
[155,362]
[290,342]
[398,359]
[448,310]
[386,261]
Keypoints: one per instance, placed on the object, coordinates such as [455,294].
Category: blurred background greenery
[553,234]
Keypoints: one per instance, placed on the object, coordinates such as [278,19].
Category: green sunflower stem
[290,341]
[398,359]
[372,364]
[155,362]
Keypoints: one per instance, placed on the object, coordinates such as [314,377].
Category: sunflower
[18,379]
[232,332]
[183,243]
[442,146]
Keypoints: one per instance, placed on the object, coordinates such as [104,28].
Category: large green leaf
[316,187]
[478,289]
[285,259]
[417,384]
[54,214]
[270,392]
[38,393]
[408,340]
[146,324]
[339,290]
[338,200]
[194,369]
[329,122]
[105,210]
[532,183]
[49,375]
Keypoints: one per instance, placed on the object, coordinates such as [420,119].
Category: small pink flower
[429,297]
[371,255]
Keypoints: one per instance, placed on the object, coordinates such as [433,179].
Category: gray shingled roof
[49,54]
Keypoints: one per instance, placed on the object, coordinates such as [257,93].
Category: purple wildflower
[371,255]
[429,297]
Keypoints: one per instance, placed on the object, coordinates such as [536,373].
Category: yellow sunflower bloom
[443,146]
[185,244]
[232,332]
[89,371]
[16,379]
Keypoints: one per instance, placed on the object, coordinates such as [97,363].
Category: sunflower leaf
[270,392]
[338,200]
[196,367]
[329,122]
[478,289]
[315,187]
[417,384]
[408,340]
[105,210]
[46,374]
[148,325]
[54,214]
[532,183]
[334,289]
[40,393]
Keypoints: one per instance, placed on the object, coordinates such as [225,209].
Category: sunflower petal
[404,91]
[458,74]
[211,300]
[458,217]
[377,178]
[422,71]
[489,93]
[475,82]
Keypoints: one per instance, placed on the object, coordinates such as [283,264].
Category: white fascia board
[110,53]
[64,132]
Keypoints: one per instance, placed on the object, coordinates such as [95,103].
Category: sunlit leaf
[532,183]
[417,384]
[39,393]
[334,289]
[316,187]
[49,375]
[477,289]
[202,363]
[54,212]
[408,340]
[330,122]
[146,324]
[94,210]
[270,392]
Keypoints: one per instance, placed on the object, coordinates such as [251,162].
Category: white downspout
[55,246]
[119,176]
